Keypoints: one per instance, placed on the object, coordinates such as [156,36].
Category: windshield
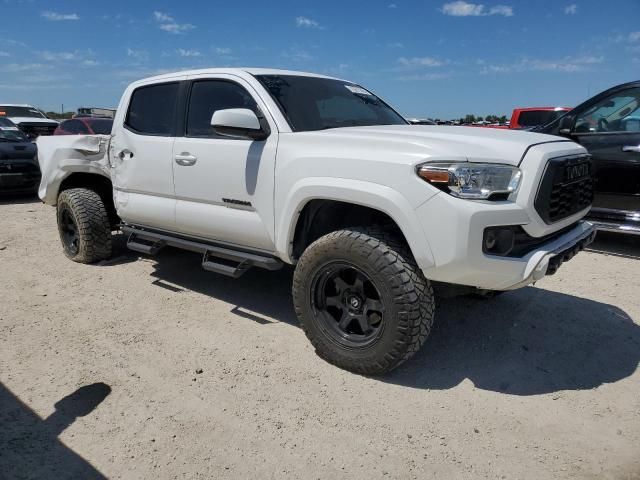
[8,111]
[313,103]
[9,132]
[100,127]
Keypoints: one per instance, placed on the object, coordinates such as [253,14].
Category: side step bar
[216,258]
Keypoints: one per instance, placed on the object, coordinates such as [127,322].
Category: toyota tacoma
[261,168]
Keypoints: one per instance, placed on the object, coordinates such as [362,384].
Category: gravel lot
[143,368]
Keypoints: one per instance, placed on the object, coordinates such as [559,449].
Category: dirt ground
[153,368]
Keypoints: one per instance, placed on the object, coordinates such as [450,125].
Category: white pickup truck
[260,168]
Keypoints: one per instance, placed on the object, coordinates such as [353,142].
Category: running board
[233,271]
[216,258]
[141,246]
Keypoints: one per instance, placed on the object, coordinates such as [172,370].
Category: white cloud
[420,62]
[168,23]
[188,53]
[424,76]
[464,9]
[305,22]
[5,54]
[177,28]
[222,51]
[162,17]
[504,10]
[80,57]
[392,5]
[571,9]
[138,54]
[57,17]
[564,65]
[634,36]
[21,67]
[296,54]
[59,56]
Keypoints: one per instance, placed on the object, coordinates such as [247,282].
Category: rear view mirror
[239,123]
[566,124]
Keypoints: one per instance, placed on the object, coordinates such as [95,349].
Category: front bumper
[456,241]
[563,249]
[610,220]
[19,176]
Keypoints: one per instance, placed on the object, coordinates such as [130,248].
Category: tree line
[59,116]
[469,118]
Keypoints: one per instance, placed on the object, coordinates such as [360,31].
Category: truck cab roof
[240,71]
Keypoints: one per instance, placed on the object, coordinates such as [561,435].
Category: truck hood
[440,142]
[19,120]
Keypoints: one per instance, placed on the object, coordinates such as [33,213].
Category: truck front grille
[34,130]
[566,188]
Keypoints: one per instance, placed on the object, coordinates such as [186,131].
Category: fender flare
[366,194]
[49,195]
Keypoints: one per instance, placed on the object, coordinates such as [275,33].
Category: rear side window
[207,96]
[533,118]
[152,109]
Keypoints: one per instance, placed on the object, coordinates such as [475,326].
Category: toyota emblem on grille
[577,171]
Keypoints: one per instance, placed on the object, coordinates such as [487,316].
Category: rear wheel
[83,224]
[362,300]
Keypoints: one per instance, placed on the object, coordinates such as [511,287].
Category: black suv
[608,125]
[19,171]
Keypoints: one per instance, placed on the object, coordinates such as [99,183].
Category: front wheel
[362,300]
[83,224]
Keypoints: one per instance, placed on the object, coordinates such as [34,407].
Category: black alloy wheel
[347,305]
[69,232]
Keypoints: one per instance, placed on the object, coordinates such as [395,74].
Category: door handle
[185,159]
[125,154]
[631,148]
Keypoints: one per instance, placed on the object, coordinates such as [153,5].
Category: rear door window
[152,110]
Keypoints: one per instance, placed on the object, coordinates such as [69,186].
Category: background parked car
[608,125]
[85,126]
[420,121]
[95,112]
[535,116]
[19,170]
[29,119]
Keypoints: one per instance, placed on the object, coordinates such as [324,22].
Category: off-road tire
[407,297]
[86,210]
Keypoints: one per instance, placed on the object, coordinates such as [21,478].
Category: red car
[533,117]
[85,126]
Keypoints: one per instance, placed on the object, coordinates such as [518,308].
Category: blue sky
[427,58]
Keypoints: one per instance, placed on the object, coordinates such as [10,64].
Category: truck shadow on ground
[29,445]
[527,342]
[618,244]
[18,199]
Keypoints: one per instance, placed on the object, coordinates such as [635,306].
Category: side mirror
[566,124]
[239,123]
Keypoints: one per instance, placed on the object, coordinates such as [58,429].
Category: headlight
[472,180]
